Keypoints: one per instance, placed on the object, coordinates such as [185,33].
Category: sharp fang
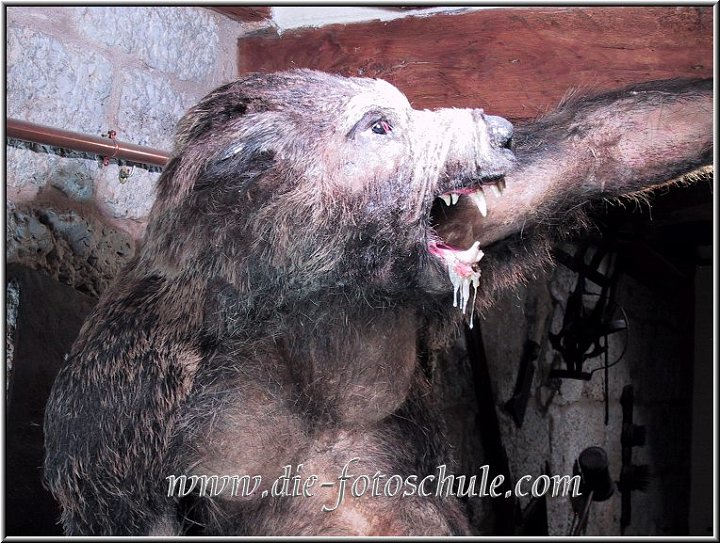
[479,198]
[454,197]
[472,255]
[446,198]
[501,185]
[496,190]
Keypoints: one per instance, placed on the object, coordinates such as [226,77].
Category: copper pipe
[104,147]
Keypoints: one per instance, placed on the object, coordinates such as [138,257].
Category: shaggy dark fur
[272,314]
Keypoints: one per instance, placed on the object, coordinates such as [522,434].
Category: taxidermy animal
[307,228]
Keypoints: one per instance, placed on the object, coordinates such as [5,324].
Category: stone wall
[565,416]
[134,70]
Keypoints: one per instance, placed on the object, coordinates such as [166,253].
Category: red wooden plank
[245,14]
[516,62]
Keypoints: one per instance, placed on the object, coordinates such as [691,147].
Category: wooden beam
[516,62]
[245,14]
[405,8]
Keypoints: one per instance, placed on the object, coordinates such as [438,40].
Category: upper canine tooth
[496,190]
[454,197]
[446,198]
[479,198]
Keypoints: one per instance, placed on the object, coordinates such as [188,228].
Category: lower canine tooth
[479,198]
[472,255]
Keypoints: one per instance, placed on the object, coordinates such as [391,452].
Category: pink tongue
[438,248]
[449,255]
[461,274]
[442,249]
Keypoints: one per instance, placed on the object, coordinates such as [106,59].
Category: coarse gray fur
[272,315]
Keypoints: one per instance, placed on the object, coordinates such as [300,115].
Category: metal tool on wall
[596,482]
[517,404]
[632,477]
[596,485]
[537,328]
[586,327]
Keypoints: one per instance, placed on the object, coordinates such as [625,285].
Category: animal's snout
[500,131]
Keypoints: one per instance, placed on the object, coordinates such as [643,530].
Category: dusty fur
[274,312]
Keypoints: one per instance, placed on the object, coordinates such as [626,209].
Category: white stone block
[149,109]
[178,40]
[54,83]
[131,199]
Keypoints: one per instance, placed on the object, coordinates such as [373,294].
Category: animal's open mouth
[448,226]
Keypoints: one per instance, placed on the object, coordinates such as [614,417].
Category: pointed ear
[244,151]
[236,167]
[214,112]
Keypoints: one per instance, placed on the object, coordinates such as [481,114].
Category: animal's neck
[358,363]
[342,361]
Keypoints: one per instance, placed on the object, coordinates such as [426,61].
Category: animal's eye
[381,127]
